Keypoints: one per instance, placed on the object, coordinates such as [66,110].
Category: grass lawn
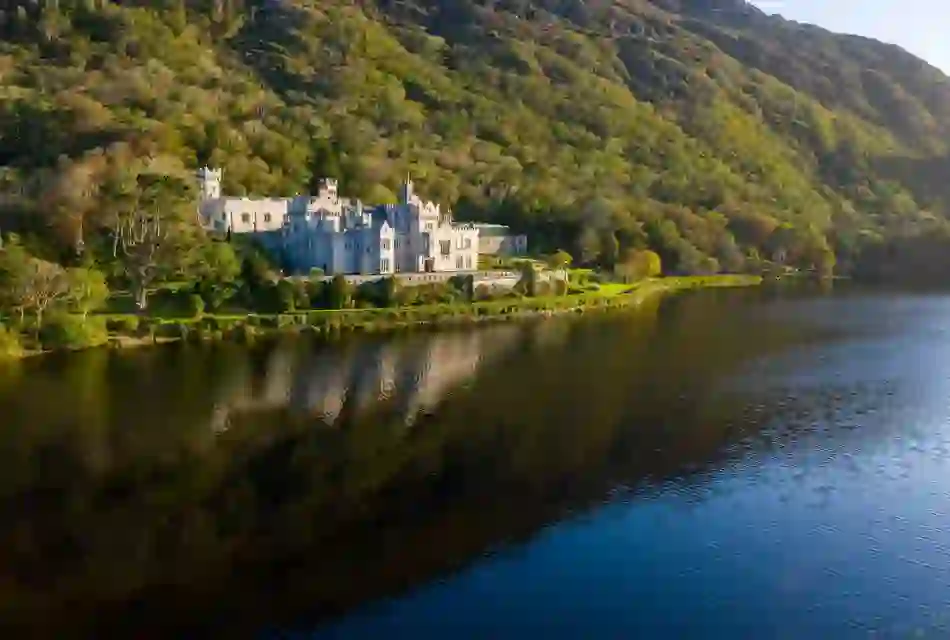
[615,289]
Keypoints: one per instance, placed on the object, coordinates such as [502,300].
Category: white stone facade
[341,235]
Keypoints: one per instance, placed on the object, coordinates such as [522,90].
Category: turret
[328,186]
[406,194]
[209,183]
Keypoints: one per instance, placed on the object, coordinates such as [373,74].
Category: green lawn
[615,289]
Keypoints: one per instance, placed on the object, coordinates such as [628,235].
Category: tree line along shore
[238,294]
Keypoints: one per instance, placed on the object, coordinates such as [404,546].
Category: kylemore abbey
[342,235]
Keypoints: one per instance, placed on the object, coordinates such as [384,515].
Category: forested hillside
[715,134]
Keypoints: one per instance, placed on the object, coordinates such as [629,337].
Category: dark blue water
[744,464]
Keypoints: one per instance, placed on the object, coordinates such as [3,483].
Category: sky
[920,26]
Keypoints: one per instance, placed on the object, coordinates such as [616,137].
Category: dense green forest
[718,136]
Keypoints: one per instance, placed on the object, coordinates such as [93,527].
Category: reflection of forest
[146,521]
[413,374]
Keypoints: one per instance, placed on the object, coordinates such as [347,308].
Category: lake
[718,464]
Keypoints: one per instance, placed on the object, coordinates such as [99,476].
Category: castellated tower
[209,183]
[329,186]
[407,191]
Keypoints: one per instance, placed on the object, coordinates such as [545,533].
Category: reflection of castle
[412,375]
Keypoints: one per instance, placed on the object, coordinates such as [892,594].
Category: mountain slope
[704,128]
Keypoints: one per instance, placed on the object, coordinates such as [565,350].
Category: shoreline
[247,328]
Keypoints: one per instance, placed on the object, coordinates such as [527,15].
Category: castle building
[341,235]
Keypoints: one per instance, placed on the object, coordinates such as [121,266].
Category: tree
[588,245]
[338,293]
[609,249]
[390,290]
[638,264]
[528,284]
[256,272]
[47,284]
[69,197]
[88,290]
[149,233]
[14,282]
[217,262]
[29,284]
[286,296]
[560,260]
[34,286]
[217,268]
[10,346]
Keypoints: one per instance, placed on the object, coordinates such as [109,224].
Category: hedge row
[323,321]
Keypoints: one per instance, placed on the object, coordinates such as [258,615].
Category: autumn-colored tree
[637,264]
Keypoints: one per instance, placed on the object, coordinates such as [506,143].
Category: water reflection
[225,490]
[140,480]
[414,374]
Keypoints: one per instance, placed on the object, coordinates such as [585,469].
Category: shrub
[226,325]
[196,305]
[541,289]
[10,346]
[126,325]
[67,331]
[195,333]
[316,294]
[243,333]
[483,292]
[286,296]
[167,302]
[339,293]
[215,295]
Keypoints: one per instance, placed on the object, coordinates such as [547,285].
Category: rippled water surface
[744,464]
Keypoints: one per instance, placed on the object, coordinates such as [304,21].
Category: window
[467,244]
[245,218]
[429,226]
[459,263]
[468,262]
[266,217]
[385,243]
[384,265]
[446,247]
